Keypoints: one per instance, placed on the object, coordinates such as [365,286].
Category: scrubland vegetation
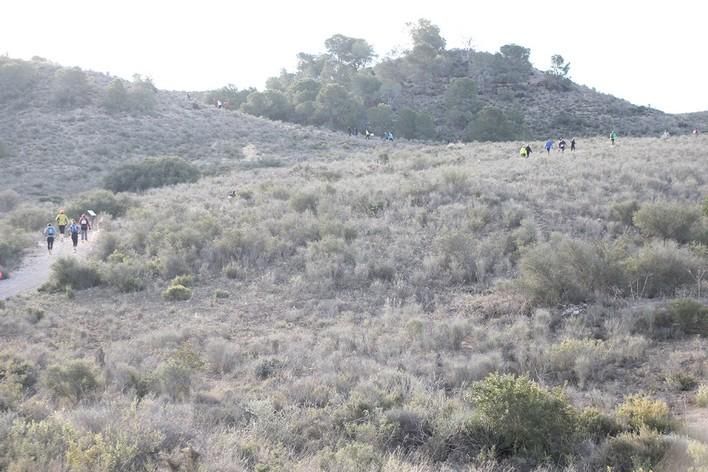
[405,307]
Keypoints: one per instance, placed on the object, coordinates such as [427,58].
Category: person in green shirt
[62,220]
[613,136]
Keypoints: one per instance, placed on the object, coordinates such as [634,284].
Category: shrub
[11,249]
[679,318]
[596,426]
[186,280]
[127,276]
[79,275]
[9,199]
[151,173]
[99,201]
[702,396]
[659,270]
[302,202]
[29,218]
[175,379]
[17,377]
[70,88]
[72,382]
[570,271]
[630,452]
[529,420]
[624,212]
[667,221]
[96,452]
[177,293]
[39,445]
[640,411]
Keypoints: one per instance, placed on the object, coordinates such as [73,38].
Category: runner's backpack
[51,231]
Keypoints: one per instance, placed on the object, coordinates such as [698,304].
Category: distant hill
[62,130]
[446,94]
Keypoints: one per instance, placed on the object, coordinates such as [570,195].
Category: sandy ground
[36,267]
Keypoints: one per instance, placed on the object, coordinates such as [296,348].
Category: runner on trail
[549,145]
[62,220]
[50,231]
[528,150]
[572,145]
[613,136]
[74,230]
[85,224]
[561,145]
[523,152]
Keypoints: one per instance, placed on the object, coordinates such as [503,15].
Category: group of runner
[526,151]
[74,227]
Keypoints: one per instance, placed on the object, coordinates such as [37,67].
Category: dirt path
[36,267]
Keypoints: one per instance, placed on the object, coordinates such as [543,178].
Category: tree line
[345,88]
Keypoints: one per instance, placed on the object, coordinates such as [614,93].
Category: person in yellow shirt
[62,221]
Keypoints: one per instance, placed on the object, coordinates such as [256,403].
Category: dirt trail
[36,267]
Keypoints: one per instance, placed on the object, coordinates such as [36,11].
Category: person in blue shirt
[549,145]
[50,232]
[74,231]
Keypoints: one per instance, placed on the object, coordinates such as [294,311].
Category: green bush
[39,445]
[302,202]
[667,221]
[127,276]
[624,212]
[185,280]
[631,452]
[69,272]
[9,199]
[177,293]
[11,249]
[175,379]
[659,270]
[16,77]
[679,318]
[702,396]
[640,411]
[151,173]
[29,218]
[529,420]
[99,201]
[73,381]
[70,88]
[571,271]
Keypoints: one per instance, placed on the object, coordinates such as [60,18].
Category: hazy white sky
[637,50]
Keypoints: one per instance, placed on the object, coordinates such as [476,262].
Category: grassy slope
[317,323]
[55,152]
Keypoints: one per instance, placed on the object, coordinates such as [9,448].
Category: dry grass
[364,300]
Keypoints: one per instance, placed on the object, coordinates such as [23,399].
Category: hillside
[59,137]
[410,308]
[431,92]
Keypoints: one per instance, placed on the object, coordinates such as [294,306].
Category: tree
[142,94]
[426,35]
[490,124]
[514,52]
[115,98]
[270,104]
[366,86]
[461,102]
[304,90]
[336,108]
[414,125]
[231,97]
[381,118]
[559,67]
[353,52]
[70,88]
